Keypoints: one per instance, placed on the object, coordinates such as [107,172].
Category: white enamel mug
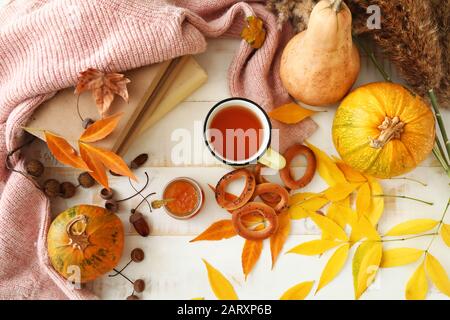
[264,154]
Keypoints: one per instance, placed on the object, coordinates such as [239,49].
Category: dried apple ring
[270,217]
[275,189]
[269,198]
[285,173]
[227,202]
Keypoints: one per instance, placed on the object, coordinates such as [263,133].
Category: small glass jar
[185,197]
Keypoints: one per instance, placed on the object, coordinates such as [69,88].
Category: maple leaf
[254,32]
[103,86]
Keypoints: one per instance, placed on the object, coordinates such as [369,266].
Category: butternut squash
[320,65]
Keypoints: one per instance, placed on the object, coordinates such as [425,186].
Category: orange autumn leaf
[104,86]
[278,239]
[101,129]
[64,152]
[219,230]
[254,33]
[109,159]
[98,170]
[290,113]
[250,255]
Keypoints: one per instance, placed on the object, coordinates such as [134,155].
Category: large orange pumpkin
[384,130]
[85,242]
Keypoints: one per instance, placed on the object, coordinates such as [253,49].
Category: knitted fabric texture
[44,44]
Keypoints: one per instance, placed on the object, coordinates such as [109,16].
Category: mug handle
[272,159]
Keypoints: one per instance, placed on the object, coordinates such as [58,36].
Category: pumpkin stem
[76,231]
[390,129]
[336,5]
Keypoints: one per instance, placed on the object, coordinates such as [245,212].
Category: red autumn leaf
[103,86]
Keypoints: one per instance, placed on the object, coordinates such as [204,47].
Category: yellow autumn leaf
[377,203]
[415,226]
[221,287]
[329,226]
[290,113]
[333,266]
[341,213]
[314,204]
[326,167]
[298,212]
[400,256]
[445,234]
[314,247]
[301,197]
[363,229]
[254,32]
[366,262]
[339,191]
[363,200]
[350,174]
[303,209]
[437,274]
[417,286]
[298,292]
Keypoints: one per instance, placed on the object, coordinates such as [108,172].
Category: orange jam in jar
[184,198]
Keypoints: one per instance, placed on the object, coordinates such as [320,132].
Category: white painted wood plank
[173,269]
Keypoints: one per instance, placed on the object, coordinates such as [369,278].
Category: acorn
[133,297]
[139,161]
[111,205]
[67,190]
[106,194]
[87,122]
[51,188]
[114,174]
[34,168]
[139,285]
[85,180]
[137,255]
[140,224]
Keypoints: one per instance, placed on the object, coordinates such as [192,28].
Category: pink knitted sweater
[43,46]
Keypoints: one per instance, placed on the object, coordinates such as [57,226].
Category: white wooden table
[173,268]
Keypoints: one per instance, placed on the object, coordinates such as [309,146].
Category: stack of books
[154,91]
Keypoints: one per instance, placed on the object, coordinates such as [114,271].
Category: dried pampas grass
[442,14]
[297,12]
[410,39]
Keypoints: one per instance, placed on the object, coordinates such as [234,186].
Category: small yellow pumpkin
[85,242]
[383,130]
